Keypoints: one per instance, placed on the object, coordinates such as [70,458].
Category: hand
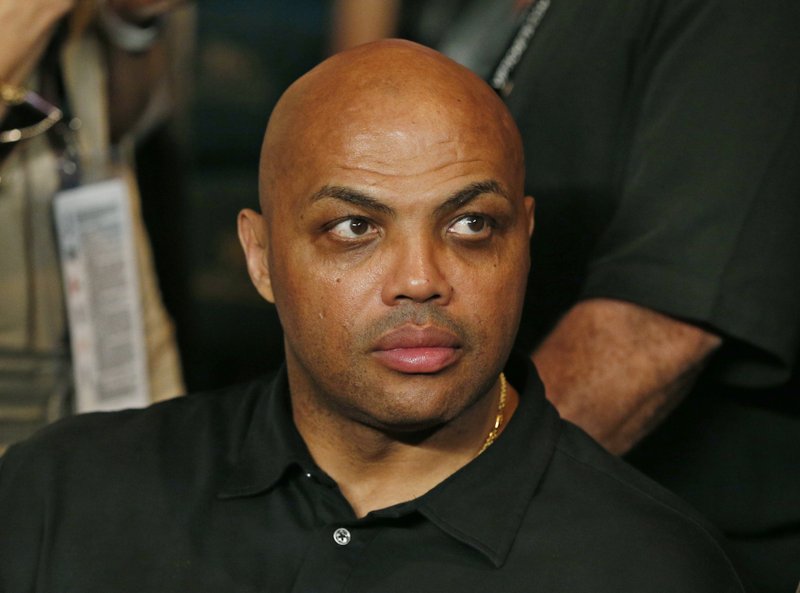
[25,28]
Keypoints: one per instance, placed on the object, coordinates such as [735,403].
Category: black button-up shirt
[217,492]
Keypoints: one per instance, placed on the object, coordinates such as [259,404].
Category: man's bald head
[393,87]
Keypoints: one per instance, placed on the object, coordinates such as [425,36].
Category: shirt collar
[272,444]
[481,505]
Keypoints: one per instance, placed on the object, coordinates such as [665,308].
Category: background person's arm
[25,29]
[704,226]
[617,369]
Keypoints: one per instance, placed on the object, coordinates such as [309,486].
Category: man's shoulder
[612,515]
[190,424]
[611,475]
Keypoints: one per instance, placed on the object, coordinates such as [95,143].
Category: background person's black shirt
[217,492]
[662,146]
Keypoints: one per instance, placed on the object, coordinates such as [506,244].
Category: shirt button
[341,536]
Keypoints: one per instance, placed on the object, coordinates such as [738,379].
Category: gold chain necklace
[498,421]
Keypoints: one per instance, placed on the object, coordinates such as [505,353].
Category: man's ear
[253,237]
[530,206]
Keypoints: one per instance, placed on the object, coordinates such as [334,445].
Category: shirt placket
[336,546]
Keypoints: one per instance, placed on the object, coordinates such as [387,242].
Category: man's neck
[375,469]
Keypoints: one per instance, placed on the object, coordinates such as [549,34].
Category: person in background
[80,80]
[358,21]
[662,140]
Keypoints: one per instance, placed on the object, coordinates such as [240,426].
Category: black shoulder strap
[491,36]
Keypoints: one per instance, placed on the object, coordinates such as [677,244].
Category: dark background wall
[248,52]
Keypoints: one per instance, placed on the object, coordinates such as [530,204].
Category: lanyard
[35,114]
[62,135]
[501,80]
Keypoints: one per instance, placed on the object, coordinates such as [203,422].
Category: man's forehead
[383,103]
[401,170]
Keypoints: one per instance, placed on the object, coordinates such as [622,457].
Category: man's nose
[415,274]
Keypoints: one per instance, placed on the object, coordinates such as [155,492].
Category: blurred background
[197,173]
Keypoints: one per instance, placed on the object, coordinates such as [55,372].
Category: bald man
[402,447]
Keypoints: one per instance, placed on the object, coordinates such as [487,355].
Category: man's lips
[417,350]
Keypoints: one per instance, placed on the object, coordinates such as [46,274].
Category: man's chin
[410,423]
[412,433]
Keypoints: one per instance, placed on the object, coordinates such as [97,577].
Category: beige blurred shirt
[32,309]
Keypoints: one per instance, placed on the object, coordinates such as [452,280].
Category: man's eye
[352,228]
[471,225]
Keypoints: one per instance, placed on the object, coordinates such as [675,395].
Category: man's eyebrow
[454,202]
[464,196]
[351,196]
